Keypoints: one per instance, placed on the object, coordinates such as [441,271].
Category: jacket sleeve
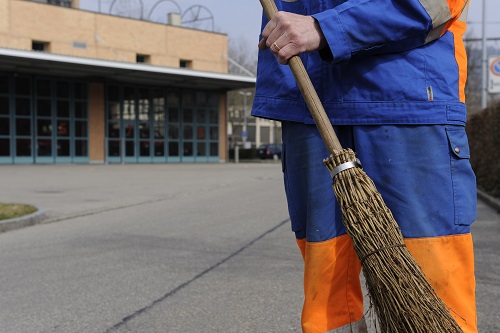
[386,26]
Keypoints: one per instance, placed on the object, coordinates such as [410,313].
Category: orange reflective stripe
[458,29]
[333,295]
[459,10]
[450,15]
[448,263]
[302,246]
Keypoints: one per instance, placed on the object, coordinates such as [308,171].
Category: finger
[274,30]
[268,29]
[275,47]
[275,37]
[262,44]
[284,55]
[287,52]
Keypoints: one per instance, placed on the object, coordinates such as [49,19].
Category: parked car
[270,150]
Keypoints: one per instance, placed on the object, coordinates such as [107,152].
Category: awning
[49,64]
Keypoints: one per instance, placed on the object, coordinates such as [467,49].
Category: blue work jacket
[387,62]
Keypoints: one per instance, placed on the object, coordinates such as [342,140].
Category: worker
[391,76]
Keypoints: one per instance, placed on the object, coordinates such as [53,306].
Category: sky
[492,18]
[240,19]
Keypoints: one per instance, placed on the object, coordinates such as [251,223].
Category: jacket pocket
[462,176]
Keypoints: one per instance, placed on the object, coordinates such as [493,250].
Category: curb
[489,200]
[23,221]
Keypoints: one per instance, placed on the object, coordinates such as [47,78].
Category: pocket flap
[459,144]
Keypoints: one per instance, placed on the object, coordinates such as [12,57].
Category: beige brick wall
[4,16]
[97,129]
[108,37]
[223,128]
[203,48]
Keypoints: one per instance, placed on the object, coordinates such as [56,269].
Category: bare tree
[242,61]
[243,57]
[473,86]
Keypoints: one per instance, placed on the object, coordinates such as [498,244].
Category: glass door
[207,127]
[129,126]
[80,117]
[213,139]
[44,122]
[159,147]
[5,121]
[201,135]
[146,145]
[23,125]
[63,132]
[113,129]
[173,127]
[188,104]
[151,125]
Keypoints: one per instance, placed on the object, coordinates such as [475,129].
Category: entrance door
[158,125]
[129,125]
[153,125]
[45,124]
[43,120]
[61,118]
[145,141]
[6,124]
[16,120]
[23,122]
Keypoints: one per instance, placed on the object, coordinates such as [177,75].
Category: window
[40,46]
[5,122]
[146,125]
[62,3]
[185,64]
[142,59]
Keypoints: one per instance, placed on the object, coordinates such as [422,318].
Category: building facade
[85,87]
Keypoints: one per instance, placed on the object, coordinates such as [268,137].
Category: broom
[402,298]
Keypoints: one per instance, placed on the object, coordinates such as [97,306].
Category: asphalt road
[168,248]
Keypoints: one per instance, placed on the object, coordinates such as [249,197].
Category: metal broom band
[345,166]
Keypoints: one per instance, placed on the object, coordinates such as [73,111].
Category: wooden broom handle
[310,96]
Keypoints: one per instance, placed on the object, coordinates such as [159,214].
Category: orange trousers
[333,295]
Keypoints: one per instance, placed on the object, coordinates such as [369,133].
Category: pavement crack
[102,210]
[177,195]
[143,310]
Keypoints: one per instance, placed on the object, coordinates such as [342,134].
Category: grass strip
[12,210]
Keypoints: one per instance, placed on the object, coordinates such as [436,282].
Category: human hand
[289,34]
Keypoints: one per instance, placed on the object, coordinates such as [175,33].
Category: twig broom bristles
[403,299]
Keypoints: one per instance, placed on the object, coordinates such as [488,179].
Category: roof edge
[44,56]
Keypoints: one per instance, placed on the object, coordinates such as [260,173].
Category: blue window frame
[157,126]
[43,120]
[6,123]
